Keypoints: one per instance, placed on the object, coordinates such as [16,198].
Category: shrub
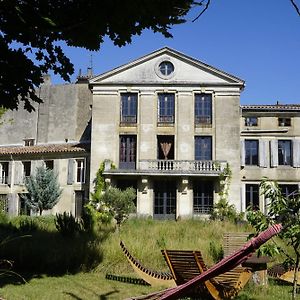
[67,225]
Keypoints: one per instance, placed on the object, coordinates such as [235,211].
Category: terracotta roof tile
[294,107]
[46,148]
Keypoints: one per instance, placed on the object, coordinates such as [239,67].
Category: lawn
[144,238]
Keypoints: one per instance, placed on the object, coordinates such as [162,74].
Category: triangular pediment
[187,70]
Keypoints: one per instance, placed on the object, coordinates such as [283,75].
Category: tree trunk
[41,210]
[296,275]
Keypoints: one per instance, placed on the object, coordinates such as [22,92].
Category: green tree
[32,29]
[119,203]
[284,210]
[43,190]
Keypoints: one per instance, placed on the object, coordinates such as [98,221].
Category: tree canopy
[32,29]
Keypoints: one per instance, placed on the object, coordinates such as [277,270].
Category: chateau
[172,126]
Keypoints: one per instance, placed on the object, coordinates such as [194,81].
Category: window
[3,203]
[284,122]
[80,170]
[285,152]
[203,197]
[203,109]
[28,142]
[289,190]
[166,68]
[127,152]
[252,196]
[251,152]
[26,169]
[24,209]
[251,121]
[3,172]
[166,108]
[49,164]
[129,108]
[203,148]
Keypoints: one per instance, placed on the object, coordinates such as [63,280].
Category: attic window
[166,68]
[28,142]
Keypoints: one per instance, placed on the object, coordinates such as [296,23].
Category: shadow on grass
[47,252]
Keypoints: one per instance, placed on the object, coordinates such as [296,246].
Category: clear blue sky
[258,41]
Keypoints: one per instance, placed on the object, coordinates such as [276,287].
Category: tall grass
[145,238]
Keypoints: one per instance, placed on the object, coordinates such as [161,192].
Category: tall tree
[284,210]
[43,190]
[31,29]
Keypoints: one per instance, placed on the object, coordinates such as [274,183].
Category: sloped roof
[46,148]
[275,107]
[175,53]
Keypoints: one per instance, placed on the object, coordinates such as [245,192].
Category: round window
[166,68]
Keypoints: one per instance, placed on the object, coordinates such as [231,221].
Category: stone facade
[169,123]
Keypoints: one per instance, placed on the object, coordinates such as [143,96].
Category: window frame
[199,141]
[4,172]
[203,109]
[250,159]
[284,122]
[166,108]
[251,192]
[80,170]
[285,159]
[251,121]
[127,151]
[128,108]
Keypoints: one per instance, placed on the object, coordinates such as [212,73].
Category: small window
[251,152]
[49,164]
[3,172]
[252,196]
[3,203]
[80,170]
[28,142]
[166,68]
[26,169]
[285,152]
[282,122]
[251,121]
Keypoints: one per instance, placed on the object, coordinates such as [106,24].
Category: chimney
[47,79]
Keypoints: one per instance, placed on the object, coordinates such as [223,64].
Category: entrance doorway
[165,200]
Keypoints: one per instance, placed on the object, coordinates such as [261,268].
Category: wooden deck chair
[185,265]
[226,264]
[279,271]
[152,277]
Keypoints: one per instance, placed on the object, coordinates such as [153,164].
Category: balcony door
[165,199]
[127,152]
[165,147]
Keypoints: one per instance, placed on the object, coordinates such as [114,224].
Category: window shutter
[18,172]
[296,153]
[56,166]
[242,153]
[71,163]
[10,166]
[36,164]
[274,153]
[263,153]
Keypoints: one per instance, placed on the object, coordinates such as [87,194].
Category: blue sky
[256,40]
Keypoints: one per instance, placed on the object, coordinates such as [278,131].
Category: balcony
[172,167]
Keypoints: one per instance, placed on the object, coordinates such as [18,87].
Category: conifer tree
[43,190]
